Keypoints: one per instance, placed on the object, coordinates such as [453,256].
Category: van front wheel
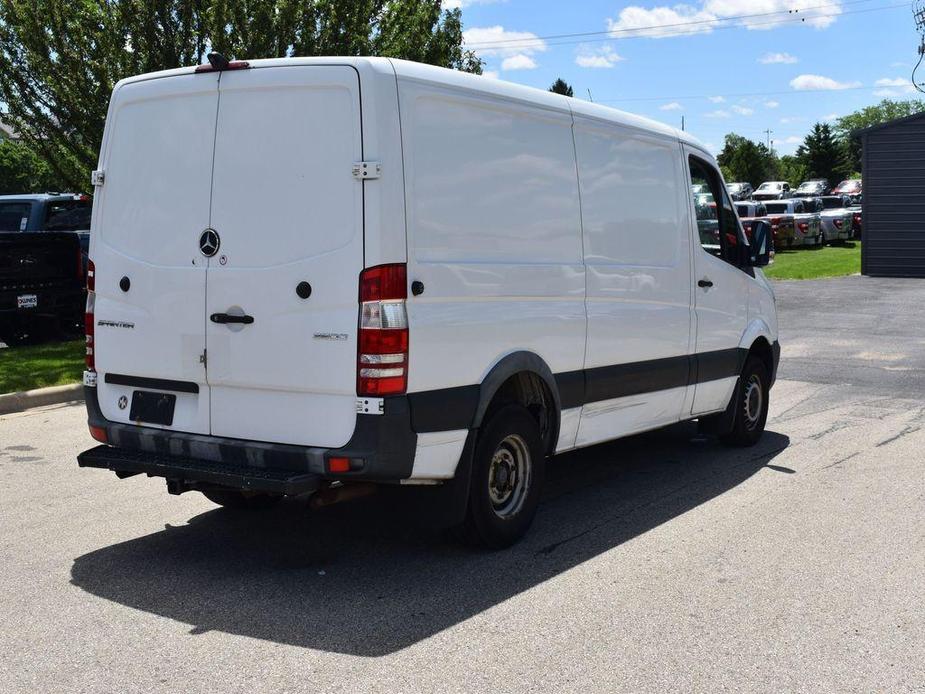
[507,475]
[751,405]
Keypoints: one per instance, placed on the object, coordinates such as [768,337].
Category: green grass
[811,263]
[38,366]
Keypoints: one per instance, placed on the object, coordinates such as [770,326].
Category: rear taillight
[838,223]
[804,227]
[382,347]
[89,330]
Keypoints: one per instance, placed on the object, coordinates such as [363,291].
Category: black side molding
[152,383]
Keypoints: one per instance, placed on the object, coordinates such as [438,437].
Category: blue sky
[739,66]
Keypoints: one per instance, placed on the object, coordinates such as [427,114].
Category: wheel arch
[522,377]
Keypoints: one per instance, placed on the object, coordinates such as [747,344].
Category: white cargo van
[317,272]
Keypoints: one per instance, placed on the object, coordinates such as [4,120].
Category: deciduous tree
[59,59]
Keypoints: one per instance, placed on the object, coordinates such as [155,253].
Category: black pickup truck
[42,283]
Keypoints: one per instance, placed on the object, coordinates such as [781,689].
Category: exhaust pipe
[329,496]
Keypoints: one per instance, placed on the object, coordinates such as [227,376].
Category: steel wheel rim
[509,476]
[753,402]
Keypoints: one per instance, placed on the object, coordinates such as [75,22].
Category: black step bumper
[191,471]
[381,449]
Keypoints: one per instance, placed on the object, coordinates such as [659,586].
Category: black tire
[508,469]
[751,405]
[240,500]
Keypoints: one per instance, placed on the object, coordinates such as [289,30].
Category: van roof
[437,75]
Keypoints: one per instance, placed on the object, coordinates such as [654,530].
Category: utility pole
[918,11]
[769,132]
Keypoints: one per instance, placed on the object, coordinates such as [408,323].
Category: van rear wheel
[751,404]
[507,475]
[241,500]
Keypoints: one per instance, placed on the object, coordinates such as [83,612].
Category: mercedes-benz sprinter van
[310,273]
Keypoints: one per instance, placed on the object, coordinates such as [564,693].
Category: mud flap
[445,506]
[722,423]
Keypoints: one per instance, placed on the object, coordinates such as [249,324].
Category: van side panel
[493,233]
[637,255]
[147,220]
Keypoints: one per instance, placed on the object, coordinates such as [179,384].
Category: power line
[711,24]
[733,96]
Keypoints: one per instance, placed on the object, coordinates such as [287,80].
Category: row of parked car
[781,190]
[813,214]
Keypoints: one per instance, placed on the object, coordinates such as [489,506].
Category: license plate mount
[153,408]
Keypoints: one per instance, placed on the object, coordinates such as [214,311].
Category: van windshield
[14,216]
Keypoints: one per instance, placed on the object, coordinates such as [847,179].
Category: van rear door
[281,298]
[150,274]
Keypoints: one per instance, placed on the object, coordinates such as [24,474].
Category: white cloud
[490,74]
[900,64]
[771,104]
[894,87]
[812,82]
[717,99]
[718,114]
[786,120]
[743,110]
[777,59]
[673,106]
[600,57]
[660,22]
[817,13]
[702,17]
[520,61]
[498,41]
[792,140]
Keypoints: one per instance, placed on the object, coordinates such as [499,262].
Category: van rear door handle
[705,284]
[228,318]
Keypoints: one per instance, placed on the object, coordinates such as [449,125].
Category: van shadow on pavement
[388,583]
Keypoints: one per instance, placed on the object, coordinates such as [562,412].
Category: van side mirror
[760,245]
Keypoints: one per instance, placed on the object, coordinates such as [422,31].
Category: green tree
[560,86]
[791,169]
[886,110]
[823,154]
[21,171]
[746,161]
[59,59]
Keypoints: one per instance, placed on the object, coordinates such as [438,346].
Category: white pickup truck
[795,222]
[837,219]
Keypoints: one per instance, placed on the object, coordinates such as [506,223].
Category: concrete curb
[27,399]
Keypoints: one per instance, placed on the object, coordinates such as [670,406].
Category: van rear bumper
[381,450]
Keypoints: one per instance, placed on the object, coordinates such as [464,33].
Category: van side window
[717,224]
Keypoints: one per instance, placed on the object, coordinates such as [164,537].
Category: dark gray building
[894,198]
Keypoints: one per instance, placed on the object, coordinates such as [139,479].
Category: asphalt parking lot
[661,562]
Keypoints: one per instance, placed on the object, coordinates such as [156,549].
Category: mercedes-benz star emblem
[123,402]
[209,243]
